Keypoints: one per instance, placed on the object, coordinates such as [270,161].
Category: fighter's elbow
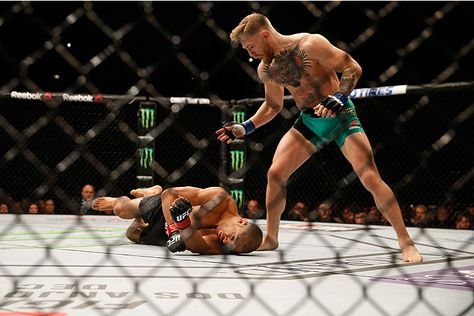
[274,104]
[357,70]
[133,235]
[168,193]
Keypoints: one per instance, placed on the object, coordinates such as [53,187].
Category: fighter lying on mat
[204,221]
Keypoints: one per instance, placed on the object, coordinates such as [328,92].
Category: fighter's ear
[226,240]
[243,220]
[265,34]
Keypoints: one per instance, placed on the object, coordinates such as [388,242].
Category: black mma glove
[229,132]
[247,125]
[180,210]
[334,102]
[175,243]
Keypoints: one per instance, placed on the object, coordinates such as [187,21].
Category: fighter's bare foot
[103,204]
[154,190]
[268,243]
[411,254]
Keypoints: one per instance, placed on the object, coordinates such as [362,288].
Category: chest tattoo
[288,68]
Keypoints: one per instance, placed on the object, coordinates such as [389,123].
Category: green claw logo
[147,117]
[238,196]
[146,157]
[237,159]
[239,117]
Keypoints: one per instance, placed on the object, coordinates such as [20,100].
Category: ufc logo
[174,238]
[183,216]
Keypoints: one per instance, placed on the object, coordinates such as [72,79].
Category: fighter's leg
[358,152]
[156,189]
[123,207]
[103,203]
[292,151]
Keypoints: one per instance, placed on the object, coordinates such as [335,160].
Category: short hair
[250,240]
[465,214]
[251,24]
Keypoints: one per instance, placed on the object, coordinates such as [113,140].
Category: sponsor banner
[47,96]
[147,118]
[26,95]
[188,100]
[238,196]
[78,97]
[146,157]
[237,159]
[238,116]
[379,91]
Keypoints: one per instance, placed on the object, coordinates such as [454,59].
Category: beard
[267,54]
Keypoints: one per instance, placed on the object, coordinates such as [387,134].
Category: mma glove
[175,243]
[180,210]
[335,102]
[241,129]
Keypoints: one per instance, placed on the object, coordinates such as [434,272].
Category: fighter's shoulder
[218,193]
[260,67]
[261,72]
[307,40]
[218,190]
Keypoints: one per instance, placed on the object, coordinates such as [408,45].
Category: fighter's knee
[370,179]
[274,175]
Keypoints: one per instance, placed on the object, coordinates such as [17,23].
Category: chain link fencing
[103,70]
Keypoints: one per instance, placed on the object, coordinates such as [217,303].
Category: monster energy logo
[238,196]
[147,117]
[237,159]
[146,156]
[239,117]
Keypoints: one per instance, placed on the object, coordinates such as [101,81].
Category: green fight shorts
[321,130]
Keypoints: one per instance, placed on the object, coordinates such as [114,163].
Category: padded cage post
[236,160]
[146,145]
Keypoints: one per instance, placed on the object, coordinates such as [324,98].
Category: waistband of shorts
[308,111]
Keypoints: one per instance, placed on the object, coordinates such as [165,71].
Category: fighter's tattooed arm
[348,81]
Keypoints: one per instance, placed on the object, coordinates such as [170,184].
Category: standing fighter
[204,221]
[307,66]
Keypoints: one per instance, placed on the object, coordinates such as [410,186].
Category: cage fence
[61,129]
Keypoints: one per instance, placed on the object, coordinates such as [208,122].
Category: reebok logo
[78,97]
[26,95]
